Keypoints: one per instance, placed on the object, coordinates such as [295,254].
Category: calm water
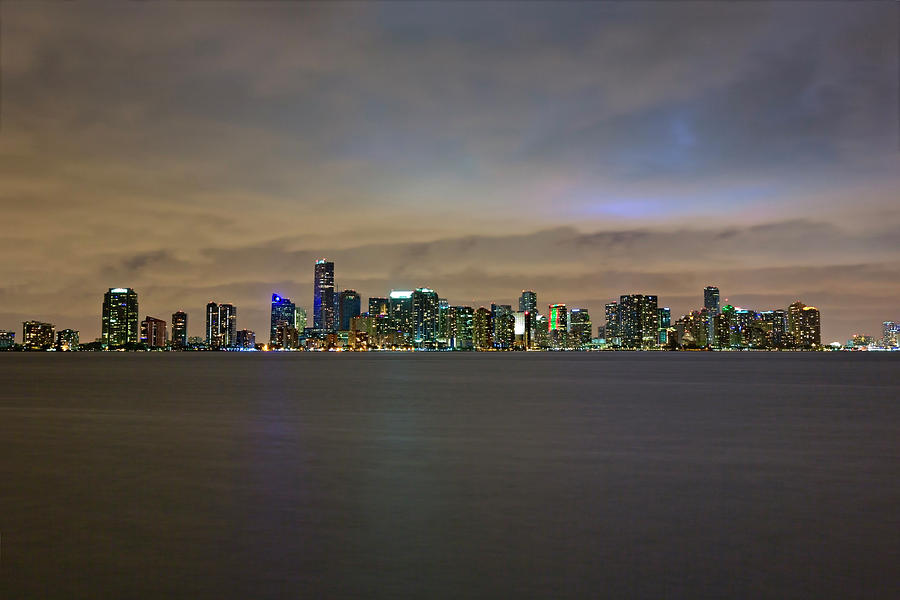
[450,475]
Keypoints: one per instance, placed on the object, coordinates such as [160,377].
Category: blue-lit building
[349,305]
[323,296]
[283,313]
[7,339]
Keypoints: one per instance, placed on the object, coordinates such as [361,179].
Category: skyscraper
[443,332]
[283,311]
[179,329]
[119,321]
[461,322]
[650,317]
[612,324]
[503,324]
[711,299]
[153,332]
[558,325]
[213,328]
[665,321]
[227,325]
[481,329]
[580,327]
[528,301]
[299,318]
[349,304]
[804,326]
[402,312]
[323,296]
[425,317]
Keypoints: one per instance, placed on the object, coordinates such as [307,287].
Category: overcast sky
[214,150]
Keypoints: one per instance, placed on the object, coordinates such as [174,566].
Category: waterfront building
[37,335]
[283,312]
[323,296]
[777,321]
[665,322]
[631,322]
[195,341]
[401,309]
[227,325]
[7,339]
[213,328]
[613,337]
[528,301]
[179,330]
[299,318]
[481,329]
[503,324]
[286,336]
[119,320]
[650,318]
[364,332]
[558,325]
[541,328]
[711,299]
[244,338]
[443,325]
[153,332]
[692,329]
[461,321]
[804,326]
[425,317]
[889,334]
[580,327]
[349,304]
[67,340]
[522,330]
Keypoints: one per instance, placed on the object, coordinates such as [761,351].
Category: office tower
[528,301]
[286,337]
[631,320]
[119,323]
[481,329]
[213,328]
[179,329]
[804,326]
[522,330]
[401,306]
[503,324]
[742,321]
[461,321]
[665,321]
[541,328]
[727,335]
[692,330]
[37,335]
[7,339]
[364,332]
[245,338]
[425,317]
[711,299]
[443,332]
[67,340]
[349,303]
[889,330]
[299,318]
[379,306]
[580,327]
[612,324]
[650,317]
[227,325]
[323,296]
[777,320]
[558,325]
[153,332]
[283,311]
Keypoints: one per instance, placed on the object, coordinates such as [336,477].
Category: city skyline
[577,149]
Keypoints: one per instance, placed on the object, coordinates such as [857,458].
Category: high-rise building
[179,330]
[650,316]
[443,333]
[227,325]
[804,326]
[349,304]
[67,340]
[323,296]
[481,329]
[631,320]
[889,331]
[425,317]
[523,330]
[711,299]
[503,325]
[402,312]
[580,327]
[283,312]
[153,332]
[299,318]
[558,325]
[461,322]
[379,306]
[37,335]
[213,327]
[245,339]
[777,320]
[528,301]
[665,321]
[613,337]
[7,339]
[119,322]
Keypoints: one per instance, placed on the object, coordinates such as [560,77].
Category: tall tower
[323,296]
[119,323]
[425,316]
[528,301]
[349,305]
[227,325]
[283,313]
[213,333]
[711,299]
[179,330]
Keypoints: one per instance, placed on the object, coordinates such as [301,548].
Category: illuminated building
[612,324]
[7,339]
[777,320]
[245,338]
[503,324]
[364,332]
[401,305]
[558,325]
[711,299]
[299,318]
[650,318]
[804,326]
[523,330]
[349,303]
[179,330]
[481,329]
[227,325]
[665,322]
[528,301]
[541,330]
[37,335]
[580,327]
[692,329]
[860,341]
[213,328]
[323,296]
[153,332]
[286,336]
[67,340]
[425,317]
[379,306]
[889,331]
[119,321]
[443,333]
[631,322]
[461,322]
[283,312]
[743,321]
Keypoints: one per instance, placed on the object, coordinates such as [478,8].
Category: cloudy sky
[213,150]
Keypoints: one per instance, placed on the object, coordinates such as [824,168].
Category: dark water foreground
[681,475]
